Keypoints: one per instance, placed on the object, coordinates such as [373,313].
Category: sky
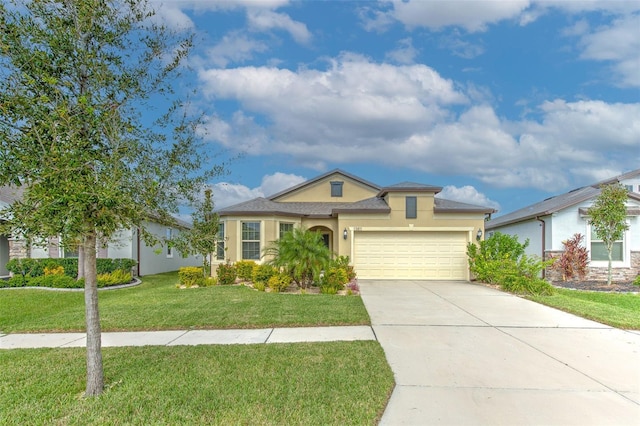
[501,103]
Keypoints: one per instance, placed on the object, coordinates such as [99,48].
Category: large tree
[75,79]
[608,217]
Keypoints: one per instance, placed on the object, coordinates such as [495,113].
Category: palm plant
[300,253]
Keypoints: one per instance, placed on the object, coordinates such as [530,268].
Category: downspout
[544,242]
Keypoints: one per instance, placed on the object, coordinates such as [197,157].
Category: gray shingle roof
[448,206]
[263,206]
[409,187]
[559,202]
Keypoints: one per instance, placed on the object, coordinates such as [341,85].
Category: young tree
[202,238]
[608,217]
[75,76]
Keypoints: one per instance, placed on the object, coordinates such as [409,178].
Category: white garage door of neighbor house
[411,255]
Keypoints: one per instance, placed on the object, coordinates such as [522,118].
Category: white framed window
[285,227]
[220,255]
[598,255]
[251,240]
[168,236]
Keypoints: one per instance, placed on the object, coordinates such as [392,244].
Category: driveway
[463,353]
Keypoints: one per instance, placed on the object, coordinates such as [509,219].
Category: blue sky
[502,103]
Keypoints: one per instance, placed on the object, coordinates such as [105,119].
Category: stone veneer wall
[598,274]
[18,249]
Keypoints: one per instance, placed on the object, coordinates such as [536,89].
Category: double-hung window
[220,242]
[599,249]
[251,240]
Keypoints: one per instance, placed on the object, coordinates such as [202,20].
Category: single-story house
[401,231]
[550,222]
[127,244]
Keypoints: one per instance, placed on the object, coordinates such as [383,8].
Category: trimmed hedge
[35,267]
[63,273]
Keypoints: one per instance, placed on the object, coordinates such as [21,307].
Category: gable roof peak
[321,177]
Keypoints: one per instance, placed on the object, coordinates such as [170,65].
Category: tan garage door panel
[411,255]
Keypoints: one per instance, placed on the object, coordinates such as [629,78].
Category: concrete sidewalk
[191,337]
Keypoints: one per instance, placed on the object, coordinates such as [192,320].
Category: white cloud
[405,53]
[227,194]
[620,44]
[233,48]
[474,16]
[467,194]
[272,184]
[265,20]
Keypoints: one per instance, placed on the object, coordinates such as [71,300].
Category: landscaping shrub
[501,260]
[637,280]
[333,280]
[279,282]
[36,267]
[260,286]
[244,269]
[117,277]
[191,276]
[574,259]
[343,262]
[55,281]
[53,270]
[226,273]
[262,273]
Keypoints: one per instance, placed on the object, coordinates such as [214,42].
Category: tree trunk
[95,379]
[609,271]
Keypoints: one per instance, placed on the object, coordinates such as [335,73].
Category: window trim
[626,251]
[220,241]
[411,211]
[336,189]
[242,240]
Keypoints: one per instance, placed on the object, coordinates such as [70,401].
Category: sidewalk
[191,337]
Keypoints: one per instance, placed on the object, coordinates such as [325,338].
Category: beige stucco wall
[395,221]
[352,190]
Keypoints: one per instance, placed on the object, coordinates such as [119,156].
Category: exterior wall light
[479,235]
[345,234]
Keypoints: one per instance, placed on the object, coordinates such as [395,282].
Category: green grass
[336,383]
[615,309]
[157,304]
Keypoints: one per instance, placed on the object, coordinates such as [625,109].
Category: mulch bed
[616,287]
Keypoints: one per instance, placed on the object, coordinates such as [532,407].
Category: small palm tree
[302,254]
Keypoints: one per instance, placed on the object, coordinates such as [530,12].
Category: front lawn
[621,310]
[335,383]
[157,304]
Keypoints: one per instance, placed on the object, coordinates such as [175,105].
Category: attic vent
[336,189]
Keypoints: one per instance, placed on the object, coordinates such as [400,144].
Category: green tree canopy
[608,216]
[75,76]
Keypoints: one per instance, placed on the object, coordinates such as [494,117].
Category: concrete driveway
[467,354]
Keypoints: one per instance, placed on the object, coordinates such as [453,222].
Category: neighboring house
[550,222]
[127,244]
[401,231]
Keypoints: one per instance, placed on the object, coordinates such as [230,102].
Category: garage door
[411,255]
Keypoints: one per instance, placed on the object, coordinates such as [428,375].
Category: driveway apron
[464,353]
